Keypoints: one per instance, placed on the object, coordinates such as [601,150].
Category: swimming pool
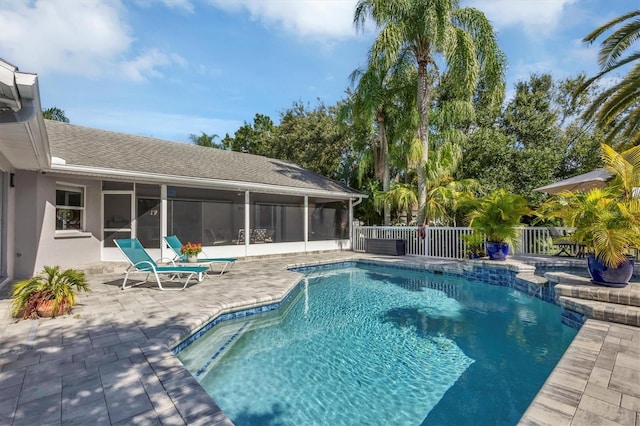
[369,345]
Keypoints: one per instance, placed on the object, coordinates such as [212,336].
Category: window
[208,216]
[328,219]
[69,208]
[280,218]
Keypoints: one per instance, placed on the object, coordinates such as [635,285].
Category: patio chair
[562,239]
[259,236]
[240,239]
[143,263]
[175,244]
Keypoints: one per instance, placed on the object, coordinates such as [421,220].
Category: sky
[170,68]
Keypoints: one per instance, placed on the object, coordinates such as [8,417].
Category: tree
[429,34]
[205,140]
[252,138]
[311,138]
[530,121]
[541,136]
[383,96]
[617,108]
[581,138]
[56,114]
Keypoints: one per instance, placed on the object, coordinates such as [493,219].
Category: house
[67,191]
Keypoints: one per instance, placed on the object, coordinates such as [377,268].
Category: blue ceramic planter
[497,251]
[610,277]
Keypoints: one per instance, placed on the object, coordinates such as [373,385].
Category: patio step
[576,287]
[604,311]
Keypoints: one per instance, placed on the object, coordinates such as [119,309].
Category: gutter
[20,103]
[359,200]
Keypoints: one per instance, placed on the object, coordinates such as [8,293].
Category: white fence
[447,242]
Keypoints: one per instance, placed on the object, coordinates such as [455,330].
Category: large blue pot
[497,251]
[610,277]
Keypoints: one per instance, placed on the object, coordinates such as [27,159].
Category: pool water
[368,345]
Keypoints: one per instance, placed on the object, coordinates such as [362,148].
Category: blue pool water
[365,345]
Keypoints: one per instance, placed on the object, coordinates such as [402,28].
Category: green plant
[606,220]
[475,243]
[497,215]
[50,285]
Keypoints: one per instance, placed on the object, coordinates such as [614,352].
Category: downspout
[305,222]
[352,204]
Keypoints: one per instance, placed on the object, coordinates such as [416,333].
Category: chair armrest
[144,262]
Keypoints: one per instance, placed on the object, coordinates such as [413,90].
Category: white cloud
[179,4]
[148,64]
[582,55]
[185,5]
[305,18]
[89,38]
[536,17]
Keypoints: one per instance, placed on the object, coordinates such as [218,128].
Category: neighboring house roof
[595,179]
[88,151]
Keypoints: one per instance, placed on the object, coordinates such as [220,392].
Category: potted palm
[475,245]
[49,294]
[606,220]
[496,216]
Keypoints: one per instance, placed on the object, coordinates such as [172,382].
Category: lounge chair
[175,244]
[142,262]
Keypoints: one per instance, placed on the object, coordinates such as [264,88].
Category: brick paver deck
[110,361]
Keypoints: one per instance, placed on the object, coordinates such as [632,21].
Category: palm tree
[617,107]
[205,140]
[381,95]
[443,191]
[56,114]
[429,33]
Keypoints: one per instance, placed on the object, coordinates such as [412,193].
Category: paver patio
[110,361]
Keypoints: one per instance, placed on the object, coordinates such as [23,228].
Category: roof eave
[20,106]
[189,181]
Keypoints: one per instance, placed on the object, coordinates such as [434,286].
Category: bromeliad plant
[49,294]
[191,249]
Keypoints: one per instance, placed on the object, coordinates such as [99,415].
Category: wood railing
[447,242]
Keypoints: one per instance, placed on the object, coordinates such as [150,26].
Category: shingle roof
[89,147]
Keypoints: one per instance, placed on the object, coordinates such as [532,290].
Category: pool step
[579,294]
[581,288]
[604,311]
[203,354]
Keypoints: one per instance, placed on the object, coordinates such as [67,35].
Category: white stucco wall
[36,241]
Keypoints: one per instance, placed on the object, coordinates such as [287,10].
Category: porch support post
[247,221]
[305,221]
[351,238]
[163,220]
